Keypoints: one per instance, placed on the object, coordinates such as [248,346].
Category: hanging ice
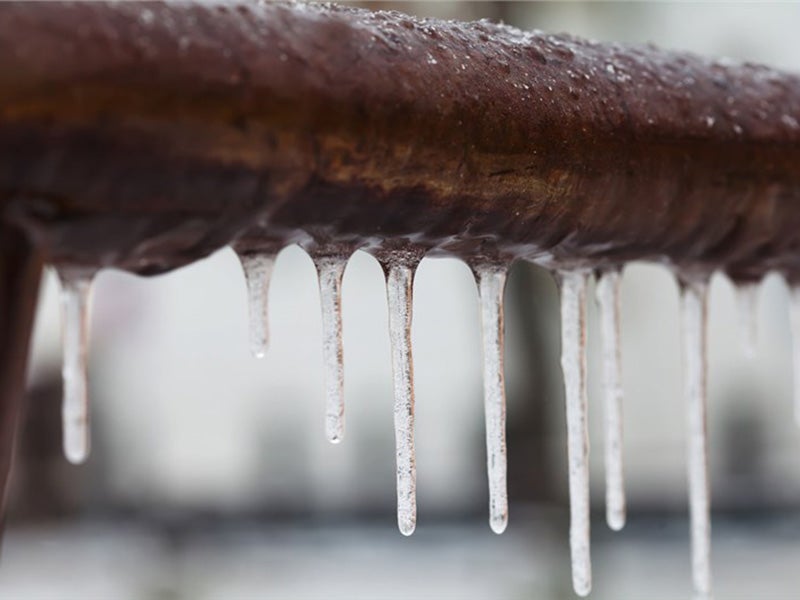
[747,301]
[794,318]
[608,287]
[491,284]
[76,286]
[573,364]
[399,280]
[694,322]
[257,267]
[330,270]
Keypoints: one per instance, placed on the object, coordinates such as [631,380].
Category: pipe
[146,135]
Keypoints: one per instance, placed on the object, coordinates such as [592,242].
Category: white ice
[399,282]
[573,364]
[794,318]
[608,300]
[76,287]
[331,270]
[694,324]
[257,267]
[491,284]
[747,304]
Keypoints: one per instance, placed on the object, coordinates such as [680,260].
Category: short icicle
[399,282]
[608,301]
[694,316]
[330,270]
[794,318]
[76,288]
[491,284]
[257,267]
[747,305]
[573,364]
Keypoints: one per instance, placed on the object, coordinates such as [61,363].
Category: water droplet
[147,17]
[573,364]
[694,319]
[399,281]
[608,300]
[491,284]
[330,270]
[257,267]
[76,288]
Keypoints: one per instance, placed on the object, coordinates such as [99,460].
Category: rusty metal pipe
[146,135]
[20,270]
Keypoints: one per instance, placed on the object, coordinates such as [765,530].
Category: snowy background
[210,476]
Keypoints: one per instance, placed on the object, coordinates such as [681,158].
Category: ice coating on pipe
[491,284]
[573,364]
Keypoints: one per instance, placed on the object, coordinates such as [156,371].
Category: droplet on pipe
[794,319]
[76,288]
[573,364]
[747,303]
[257,267]
[330,270]
[608,300]
[399,281]
[491,285]
[694,316]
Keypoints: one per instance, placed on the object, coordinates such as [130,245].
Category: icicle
[694,322]
[608,286]
[573,364]
[399,280]
[491,284]
[331,270]
[257,267]
[76,286]
[794,318]
[747,300]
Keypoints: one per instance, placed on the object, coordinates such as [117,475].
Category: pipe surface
[146,135]
[20,271]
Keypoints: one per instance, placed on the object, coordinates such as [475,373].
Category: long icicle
[694,314]
[491,284]
[330,270]
[794,319]
[608,300]
[573,364]
[257,267]
[76,288]
[399,281]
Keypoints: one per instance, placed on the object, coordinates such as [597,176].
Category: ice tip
[498,523]
[616,521]
[335,438]
[76,454]
[407,525]
[582,587]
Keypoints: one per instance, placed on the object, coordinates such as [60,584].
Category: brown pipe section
[20,270]
[146,135]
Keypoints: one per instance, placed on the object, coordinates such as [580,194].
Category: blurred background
[210,476]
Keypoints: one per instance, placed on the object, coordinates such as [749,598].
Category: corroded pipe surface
[147,135]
